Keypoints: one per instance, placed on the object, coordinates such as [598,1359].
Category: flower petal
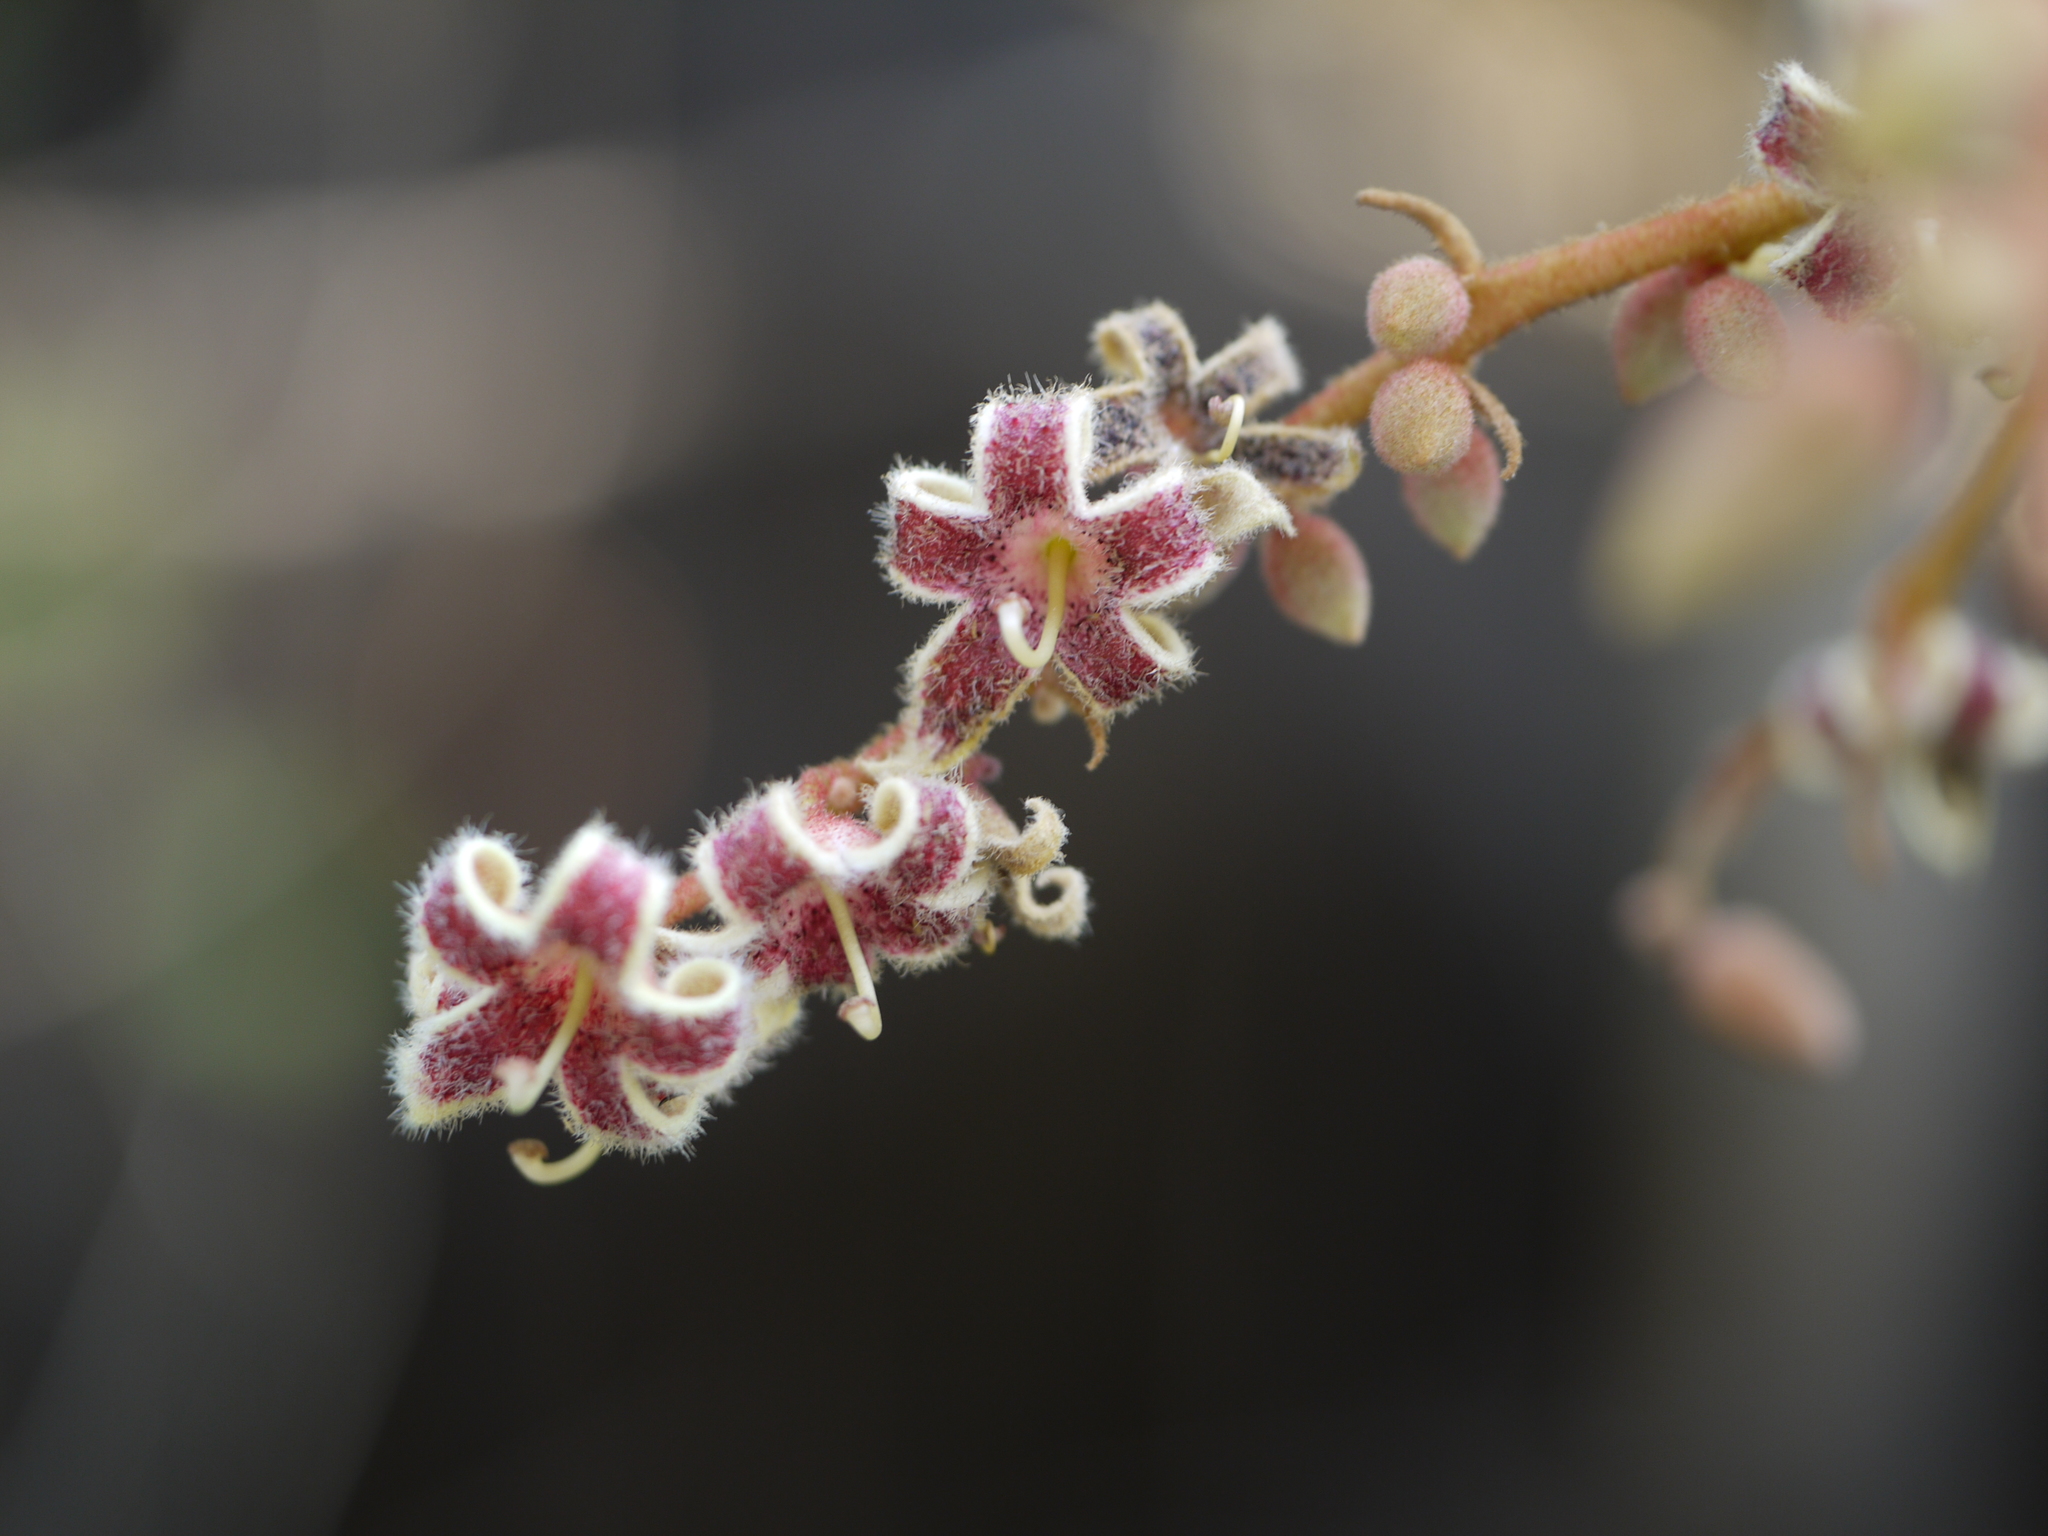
[1031,453]
[446,1067]
[1301,461]
[1156,537]
[1114,659]
[963,680]
[938,541]
[1150,345]
[1259,365]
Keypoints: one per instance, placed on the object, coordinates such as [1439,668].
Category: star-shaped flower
[574,983]
[818,878]
[1930,723]
[1165,400]
[1021,550]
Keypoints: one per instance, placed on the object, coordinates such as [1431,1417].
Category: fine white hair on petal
[1237,505]
[1065,915]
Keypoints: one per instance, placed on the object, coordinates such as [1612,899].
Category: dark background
[1347,1176]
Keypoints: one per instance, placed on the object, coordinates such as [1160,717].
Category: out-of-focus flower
[573,983]
[1019,547]
[1847,261]
[1724,497]
[1931,720]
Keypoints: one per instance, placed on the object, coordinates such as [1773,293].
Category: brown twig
[1925,578]
[1509,294]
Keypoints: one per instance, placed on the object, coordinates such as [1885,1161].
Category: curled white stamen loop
[1229,445]
[531,1159]
[1062,917]
[526,1081]
[894,813]
[862,1011]
[665,1121]
[1059,554]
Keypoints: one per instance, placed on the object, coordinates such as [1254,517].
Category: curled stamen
[524,1083]
[1218,455]
[862,1012]
[1059,554]
[530,1157]
[669,1122]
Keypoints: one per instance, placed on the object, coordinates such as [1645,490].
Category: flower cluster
[1091,521]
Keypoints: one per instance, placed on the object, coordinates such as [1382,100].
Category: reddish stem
[1507,295]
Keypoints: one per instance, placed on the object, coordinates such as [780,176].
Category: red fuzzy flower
[1846,261]
[813,891]
[1022,552]
[574,983]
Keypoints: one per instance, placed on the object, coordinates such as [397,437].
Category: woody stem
[1059,554]
[1927,575]
[1507,295]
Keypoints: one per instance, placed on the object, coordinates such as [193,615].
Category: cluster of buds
[1089,523]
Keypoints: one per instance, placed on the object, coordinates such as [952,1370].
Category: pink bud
[1457,507]
[1751,980]
[1422,418]
[1318,578]
[1736,336]
[1416,307]
[1650,356]
[1800,136]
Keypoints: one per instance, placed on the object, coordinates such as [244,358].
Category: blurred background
[415,412]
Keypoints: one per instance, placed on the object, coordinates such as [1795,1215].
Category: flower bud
[1751,980]
[1735,336]
[1422,418]
[1318,579]
[1457,507]
[1650,355]
[1416,307]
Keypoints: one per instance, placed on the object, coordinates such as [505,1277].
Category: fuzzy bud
[1422,418]
[1457,507]
[1416,307]
[1735,336]
[1650,355]
[1318,579]
[1751,980]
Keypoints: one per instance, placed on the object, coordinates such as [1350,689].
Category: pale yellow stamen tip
[1218,455]
[1059,555]
[861,1011]
[526,1081]
[530,1157]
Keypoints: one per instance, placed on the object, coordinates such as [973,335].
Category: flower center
[1059,555]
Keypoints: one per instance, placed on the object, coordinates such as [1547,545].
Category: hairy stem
[1926,576]
[1507,295]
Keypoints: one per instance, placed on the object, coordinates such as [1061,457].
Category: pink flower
[814,892]
[573,983]
[1846,261]
[1021,551]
